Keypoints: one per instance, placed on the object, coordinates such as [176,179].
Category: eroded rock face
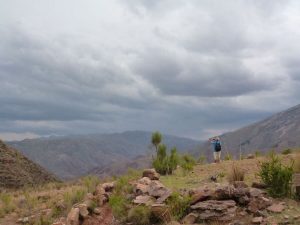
[151,174]
[216,210]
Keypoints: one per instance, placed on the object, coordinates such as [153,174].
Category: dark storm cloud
[214,77]
[191,68]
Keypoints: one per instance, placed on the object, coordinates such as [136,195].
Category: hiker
[216,145]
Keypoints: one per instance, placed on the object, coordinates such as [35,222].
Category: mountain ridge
[73,156]
[17,171]
[279,131]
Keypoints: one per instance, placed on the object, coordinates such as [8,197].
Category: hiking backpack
[218,146]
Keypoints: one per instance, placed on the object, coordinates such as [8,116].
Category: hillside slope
[278,132]
[17,171]
[73,156]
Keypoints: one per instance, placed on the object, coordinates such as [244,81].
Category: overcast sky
[191,68]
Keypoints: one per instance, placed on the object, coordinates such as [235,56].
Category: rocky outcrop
[92,209]
[222,203]
[149,189]
[215,210]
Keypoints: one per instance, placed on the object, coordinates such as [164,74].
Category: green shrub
[173,160]
[118,204]
[202,159]
[228,157]
[122,185]
[139,215]
[74,196]
[257,153]
[91,182]
[179,205]
[8,205]
[156,139]
[276,176]
[287,151]
[236,174]
[163,163]
[187,163]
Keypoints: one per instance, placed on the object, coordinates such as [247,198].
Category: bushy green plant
[139,215]
[236,174]
[122,185]
[164,163]
[91,182]
[156,139]
[187,163]
[118,204]
[228,156]
[74,196]
[202,159]
[7,204]
[179,205]
[287,151]
[276,176]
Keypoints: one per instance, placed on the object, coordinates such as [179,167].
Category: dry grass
[297,164]
[236,174]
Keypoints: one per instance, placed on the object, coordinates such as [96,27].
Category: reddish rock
[257,220]
[143,199]
[151,173]
[201,195]
[216,210]
[108,187]
[259,203]
[164,197]
[157,189]
[190,218]
[276,208]
[144,180]
[73,217]
[83,210]
[140,189]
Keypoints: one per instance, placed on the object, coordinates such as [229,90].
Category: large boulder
[108,187]
[144,200]
[201,195]
[258,203]
[190,218]
[215,210]
[151,173]
[73,217]
[157,189]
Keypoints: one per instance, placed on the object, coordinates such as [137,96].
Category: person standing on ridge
[216,146]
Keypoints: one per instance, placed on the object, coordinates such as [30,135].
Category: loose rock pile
[225,203]
[91,209]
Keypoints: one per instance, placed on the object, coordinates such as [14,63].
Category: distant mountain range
[17,171]
[277,132]
[73,156]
